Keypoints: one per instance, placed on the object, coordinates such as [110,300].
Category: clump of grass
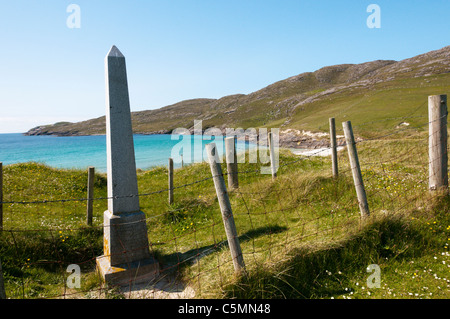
[332,269]
[34,263]
[188,214]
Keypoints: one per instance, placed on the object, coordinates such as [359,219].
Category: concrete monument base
[126,250]
[142,271]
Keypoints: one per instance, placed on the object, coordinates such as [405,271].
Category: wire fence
[304,207]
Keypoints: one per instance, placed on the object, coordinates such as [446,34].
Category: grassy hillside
[368,91]
[381,108]
[301,234]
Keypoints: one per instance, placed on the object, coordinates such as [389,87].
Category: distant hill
[366,92]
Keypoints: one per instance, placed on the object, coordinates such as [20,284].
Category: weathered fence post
[1,196]
[232,165]
[225,208]
[90,194]
[272,156]
[334,159]
[356,170]
[170,181]
[437,142]
[2,284]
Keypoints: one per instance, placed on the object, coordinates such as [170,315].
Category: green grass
[301,234]
[386,104]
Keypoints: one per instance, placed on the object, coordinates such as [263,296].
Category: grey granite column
[125,246]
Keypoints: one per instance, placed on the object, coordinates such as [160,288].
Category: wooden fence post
[170,181]
[272,156]
[90,193]
[225,208]
[356,170]
[334,159]
[232,165]
[437,142]
[2,284]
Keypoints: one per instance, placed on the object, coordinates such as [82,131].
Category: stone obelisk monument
[126,256]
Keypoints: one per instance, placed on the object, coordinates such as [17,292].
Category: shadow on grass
[311,272]
[178,261]
[51,251]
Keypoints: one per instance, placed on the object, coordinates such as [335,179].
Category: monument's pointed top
[114,52]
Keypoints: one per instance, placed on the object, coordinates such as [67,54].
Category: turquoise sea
[83,151]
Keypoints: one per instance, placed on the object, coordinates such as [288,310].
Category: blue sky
[183,49]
